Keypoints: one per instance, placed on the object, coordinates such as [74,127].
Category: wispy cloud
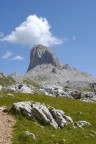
[35,30]
[18,58]
[7,55]
[1,34]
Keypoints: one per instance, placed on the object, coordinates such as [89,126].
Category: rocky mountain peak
[40,55]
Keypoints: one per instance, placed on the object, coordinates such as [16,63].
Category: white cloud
[7,55]
[1,34]
[33,31]
[18,58]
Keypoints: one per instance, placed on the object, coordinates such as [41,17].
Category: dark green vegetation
[6,80]
[47,134]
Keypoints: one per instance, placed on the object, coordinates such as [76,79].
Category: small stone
[3,109]
[10,94]
[79,113]
[81,124]
[27,133]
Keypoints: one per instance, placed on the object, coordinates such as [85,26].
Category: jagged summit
[42,55]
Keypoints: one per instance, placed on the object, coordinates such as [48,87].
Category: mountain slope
[78,110]
[45,69]
[6,80]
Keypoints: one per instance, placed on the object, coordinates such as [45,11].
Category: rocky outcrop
[81,124]
[54,90]
[42,55]
[45,114]
[58,91]
[22,88]
[60,117]
[42,113]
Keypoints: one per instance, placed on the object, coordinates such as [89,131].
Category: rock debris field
[6,124]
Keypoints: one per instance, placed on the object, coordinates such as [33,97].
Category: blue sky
[69,30]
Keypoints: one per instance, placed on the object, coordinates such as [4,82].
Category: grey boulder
[42,113]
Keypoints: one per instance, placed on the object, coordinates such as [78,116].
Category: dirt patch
[6,124]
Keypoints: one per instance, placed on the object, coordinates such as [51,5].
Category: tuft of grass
[47,134]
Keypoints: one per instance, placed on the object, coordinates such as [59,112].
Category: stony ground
[6,124]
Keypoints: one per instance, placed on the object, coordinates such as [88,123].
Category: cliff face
[42,55]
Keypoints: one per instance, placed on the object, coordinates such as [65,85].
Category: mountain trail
[6,124]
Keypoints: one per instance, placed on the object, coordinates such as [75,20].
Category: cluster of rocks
[82,95]
[46,114]
[42,113]
[54,90]
[22,88]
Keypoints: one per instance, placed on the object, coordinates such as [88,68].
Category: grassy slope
[49,135]
[28,81]
[6,81]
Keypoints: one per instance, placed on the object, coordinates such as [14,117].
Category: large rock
[60,117]
[76,94]
[24,108]
[42,55]
[42,113]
